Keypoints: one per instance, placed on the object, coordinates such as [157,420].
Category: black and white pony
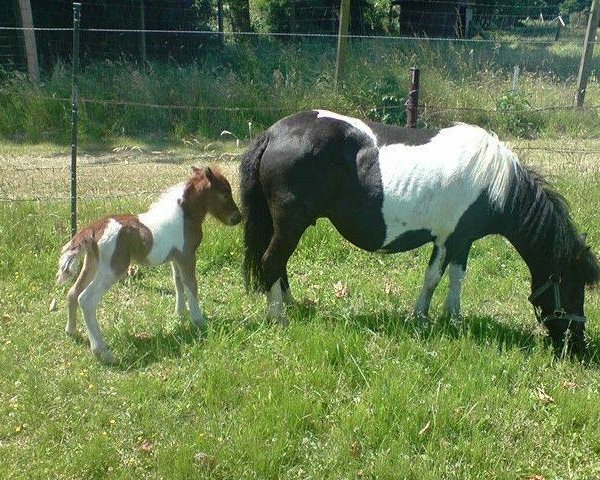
[391,189]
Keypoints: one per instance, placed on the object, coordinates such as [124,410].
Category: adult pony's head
[208,190]
[559,300]
[561,267]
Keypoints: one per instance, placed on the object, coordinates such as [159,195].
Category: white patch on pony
[429,187]
[355,122]
[457,274]
[108,241]
[275,310]
[164,219]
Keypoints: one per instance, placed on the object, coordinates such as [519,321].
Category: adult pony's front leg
[456,258]
[432,278]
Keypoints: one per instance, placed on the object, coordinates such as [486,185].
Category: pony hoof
[105,356]
[278,318]
[72,332]
[282,320]
[420,320]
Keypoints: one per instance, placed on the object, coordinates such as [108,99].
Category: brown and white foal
[170,231]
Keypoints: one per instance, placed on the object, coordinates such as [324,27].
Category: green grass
[350,390]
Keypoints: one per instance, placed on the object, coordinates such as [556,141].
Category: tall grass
[259,80]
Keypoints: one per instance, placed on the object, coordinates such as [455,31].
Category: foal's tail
[68,262]
[258,227]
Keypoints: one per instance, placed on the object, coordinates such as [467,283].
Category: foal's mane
[169,199]
[548,218]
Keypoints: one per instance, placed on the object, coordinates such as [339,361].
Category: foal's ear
[208,173]
[195,169]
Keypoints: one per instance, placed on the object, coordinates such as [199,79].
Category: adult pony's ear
[588,266]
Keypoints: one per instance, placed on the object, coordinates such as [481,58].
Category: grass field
[350,390]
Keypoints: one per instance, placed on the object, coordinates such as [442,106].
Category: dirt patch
[143,173]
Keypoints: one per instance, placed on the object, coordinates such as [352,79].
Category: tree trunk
[240,15]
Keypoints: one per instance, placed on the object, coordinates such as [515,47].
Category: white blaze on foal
[170,231]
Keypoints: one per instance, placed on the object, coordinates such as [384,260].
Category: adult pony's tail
[258,226]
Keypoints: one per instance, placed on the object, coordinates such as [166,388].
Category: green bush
[517,115]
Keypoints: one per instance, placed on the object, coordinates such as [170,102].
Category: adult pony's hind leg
[434,272]
[286,235]
[83,280]
[286,291]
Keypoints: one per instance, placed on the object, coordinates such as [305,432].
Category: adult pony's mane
[546,220]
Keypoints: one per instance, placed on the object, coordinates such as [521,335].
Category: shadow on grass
[482,329]
[146,349]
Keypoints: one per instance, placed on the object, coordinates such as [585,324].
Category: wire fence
[102,181]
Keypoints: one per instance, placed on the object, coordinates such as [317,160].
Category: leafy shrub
[517,116]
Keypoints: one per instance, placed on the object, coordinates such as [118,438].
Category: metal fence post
[74,115]
[412,103]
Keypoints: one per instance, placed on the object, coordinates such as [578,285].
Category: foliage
[320,16]
[517,115]
[262,79]
[385,93]
[572,6]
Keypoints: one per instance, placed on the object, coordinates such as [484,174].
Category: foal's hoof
[105,356]
[72,332]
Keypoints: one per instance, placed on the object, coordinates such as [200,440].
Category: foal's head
[208,190]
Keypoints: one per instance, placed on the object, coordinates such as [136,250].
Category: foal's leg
[432,278]
[83,280]
[187,269]
[180,307]
[88,300]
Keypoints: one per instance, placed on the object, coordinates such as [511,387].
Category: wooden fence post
[220,21]
[29,37]
[143,32]
[412,103]
[342,40]
[588,50]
